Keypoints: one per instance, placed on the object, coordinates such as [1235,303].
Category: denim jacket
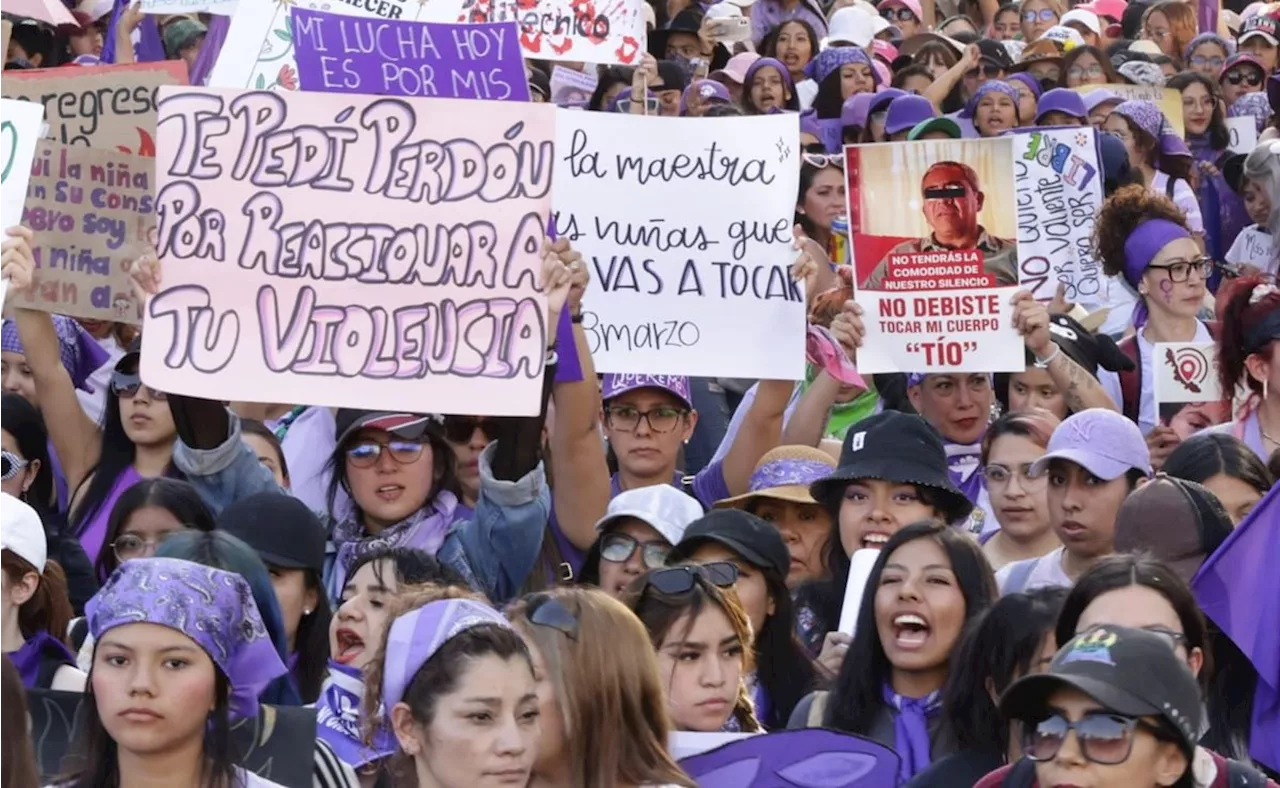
[226,473]
[495,550]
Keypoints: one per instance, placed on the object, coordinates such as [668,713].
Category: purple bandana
[787,473]
[911,730]
[81,354]
[338,719]
[420,633]
[1254,105]
[27,659]
[212,607]
[1141,246]
[987,88]
[964,463]
[830,60]
[425,529]
[1148,117]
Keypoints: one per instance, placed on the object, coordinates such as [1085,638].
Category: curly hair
[1238,316]
[829,303]
[1121,214]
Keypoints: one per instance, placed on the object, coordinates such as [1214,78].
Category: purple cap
[417,635]
[1061,100]
[707,90]
[1101,441]
[212,607]
[907,111]
[1096,98]
[1246,58]
[881,99]
[616,385]
[856,109]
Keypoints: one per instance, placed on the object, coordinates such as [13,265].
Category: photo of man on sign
[952,200]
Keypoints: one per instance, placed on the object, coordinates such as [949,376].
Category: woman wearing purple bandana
[993,108]
[841,72]
[1159,155]
[180,653]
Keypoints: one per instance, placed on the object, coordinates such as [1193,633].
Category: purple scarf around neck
[425,529]
[27,659]
[338,718]
[911,729]
[964,463]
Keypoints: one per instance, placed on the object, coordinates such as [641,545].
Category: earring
[306,611]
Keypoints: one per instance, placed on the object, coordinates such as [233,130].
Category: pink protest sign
[354,251]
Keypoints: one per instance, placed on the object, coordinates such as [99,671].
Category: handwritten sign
[351,251]
[345,54]
[259,54]
[20,123]
[220,7]
[935,281]
[689,241]
[571,88]
[1168,100]
[98,106]
[1244,134]
[1059,188]
[1187,390]
[6,30]
[567,30]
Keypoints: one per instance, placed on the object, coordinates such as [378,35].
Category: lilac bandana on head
[986,89]
[418,634]
[80,353]
[1148,117]
[786,473]
[1140,248]
[830,60]
[212,607]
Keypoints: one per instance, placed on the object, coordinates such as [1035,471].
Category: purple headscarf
[1254,105]
[1028,80]
[417,635]
[1140,248]
[1205,38]
[81,354]
[1148,117]
[212,607]
[987,88]
[792,103]
[830,60]
[809,123]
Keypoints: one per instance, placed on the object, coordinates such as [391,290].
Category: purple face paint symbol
[1166,290]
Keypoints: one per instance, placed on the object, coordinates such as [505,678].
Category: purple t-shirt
[708,487]
[93,534]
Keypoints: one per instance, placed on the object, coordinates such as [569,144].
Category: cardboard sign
[351,251]
[6,30]
[345,54]
[568,30]
[20,124]
[1059,187]
[688,239]
[571,88]
[1188,394]
[1244,134]
[99,106]
[258,52]
[935,280]
[92,211]
[1167,99]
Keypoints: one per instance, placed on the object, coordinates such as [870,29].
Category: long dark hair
[858,693]
[95,763]
[311,642]
[1176,167]
[177,497]
[1208,454]
[1075,54]
[1000,647]
[769,45]
[610,76]
[782,666]
[443,467]
[21,420]
[18,766]
[1219,135]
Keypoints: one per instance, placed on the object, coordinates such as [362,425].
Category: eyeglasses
[1080,72]
[127,386]
[1200,61]
[821,160]
[10,465]
[986,71]
[1043,15]
[365,454]
[459,429]
[898,14]
[547,611]
[627,418]
[1175,639]
[134,546]
[1247,76]
[1105,739]
[1158,35]
[618,548]
[676,580]
[998,476]
[1181,272]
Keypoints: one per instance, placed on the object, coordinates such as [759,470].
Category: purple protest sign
[383,57]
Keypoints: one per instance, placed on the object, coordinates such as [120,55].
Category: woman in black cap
[892,472]
[784,673]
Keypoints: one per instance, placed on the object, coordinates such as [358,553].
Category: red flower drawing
[288,78]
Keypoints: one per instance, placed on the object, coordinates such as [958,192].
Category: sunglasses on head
[1247,76]
[1103,738]
[127,386]
[547,611]
[459,429]
[821,160]
[676,580]
[10,465]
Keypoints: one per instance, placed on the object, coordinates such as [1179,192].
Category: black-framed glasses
[459,429]
[660,419]
[1105,739]
[10,465]
[127,385]
[365,453]
[821,160]
[547,611]
[1043,15]
[129,546]
[617,548]
[1181,272]
[899,14]
[1246,75]
[676,580]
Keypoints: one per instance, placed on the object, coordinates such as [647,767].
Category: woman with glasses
[906,15]
[1038,16]
[603,713]
[702,637]
[927,584]
[1240,75]
[1018,500]
[1171,24]
[1206,54]
[636,535]
[144,516]
[1087,65]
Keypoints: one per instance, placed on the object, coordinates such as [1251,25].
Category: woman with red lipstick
[927,584]
[1012,444]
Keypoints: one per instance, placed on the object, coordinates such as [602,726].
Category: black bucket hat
[895,447]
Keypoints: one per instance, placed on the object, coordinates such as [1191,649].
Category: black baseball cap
[281,528]
[751,537]
[1091,351]
[1131,672]
[995,52]
[410,426]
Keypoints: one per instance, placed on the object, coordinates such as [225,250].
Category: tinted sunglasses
[1103,738]
[366,454]
[127,386]
[899,14]
[986,70]
[618,548]
[459,429]
[10,465]
[1247,76]
[676,580]
[547,611]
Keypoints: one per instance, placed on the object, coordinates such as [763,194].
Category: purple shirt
[768,14]
[94,533]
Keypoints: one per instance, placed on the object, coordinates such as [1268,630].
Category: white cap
[1146,47]
[855,25]
[662,506]
[1068,37]
[1082,17]
[21,531]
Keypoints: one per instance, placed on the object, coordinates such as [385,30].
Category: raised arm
[942,86]
[1080,389]
[808,421]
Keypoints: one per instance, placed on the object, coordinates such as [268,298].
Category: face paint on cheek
[1166,290]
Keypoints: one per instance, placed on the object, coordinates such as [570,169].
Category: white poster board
[20,124]
[1244,134]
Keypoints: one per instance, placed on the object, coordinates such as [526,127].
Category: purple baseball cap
[708,90]
[855,109]
[1061,100]
[905,112]
[616,385]
[881,99]
[1101,441]
[1096,98]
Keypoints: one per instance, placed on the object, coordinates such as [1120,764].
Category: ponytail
[49,608]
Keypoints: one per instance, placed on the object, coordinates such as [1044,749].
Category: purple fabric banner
[1207,15]
[382,57]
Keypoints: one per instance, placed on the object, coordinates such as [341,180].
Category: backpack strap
[1131,379]
[1243,775]
[817,710]
[1021,775]
[1168,187]
[1019,575]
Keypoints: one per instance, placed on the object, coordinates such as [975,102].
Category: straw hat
[785,474]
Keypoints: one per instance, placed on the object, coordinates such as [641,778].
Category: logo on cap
[1082,430]
[859,440]
[1063,331]
[1093,647]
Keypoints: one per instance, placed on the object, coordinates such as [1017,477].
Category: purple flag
[383,57]
[1239,589]
[808,758]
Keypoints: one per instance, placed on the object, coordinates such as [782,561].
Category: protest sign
[1244,134]
[259,54]
[6,30]
[1059,189]
[566,30]
[1188,395]
[20,123]
[351,251]
[571,88]
[709,291]
[99,106]
[92,211]
[686,744]
[219,7]
[1167,99]
[935,281]
[383,57]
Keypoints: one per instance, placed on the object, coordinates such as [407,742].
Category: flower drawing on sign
[287,78]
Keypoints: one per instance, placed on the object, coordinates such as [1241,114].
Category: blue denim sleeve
[225,473]
[709,485]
